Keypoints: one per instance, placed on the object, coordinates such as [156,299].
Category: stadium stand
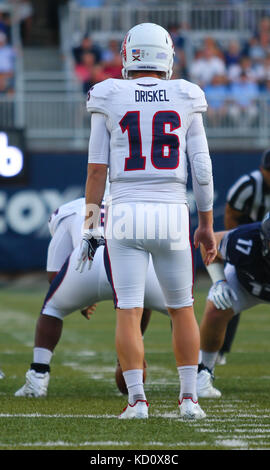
[224,47]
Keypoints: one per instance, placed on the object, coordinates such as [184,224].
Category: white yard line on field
[66,444]
[65,416]
[175,445]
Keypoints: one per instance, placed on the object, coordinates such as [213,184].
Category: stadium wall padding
[56,178]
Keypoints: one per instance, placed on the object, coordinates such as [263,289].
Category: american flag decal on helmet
[136,54]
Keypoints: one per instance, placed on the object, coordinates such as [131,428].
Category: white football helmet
[147,46]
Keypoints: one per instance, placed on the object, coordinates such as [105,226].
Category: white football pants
[72,290]
[133,231]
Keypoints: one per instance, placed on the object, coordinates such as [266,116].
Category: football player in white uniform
[142,130]
[71,291]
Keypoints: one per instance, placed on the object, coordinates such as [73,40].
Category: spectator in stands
[3,85]
[7,63]
[243,94]
[263,27]
[207,64]
[177,33]
[113,68]
[87,45]
[217,98]
[5,25]
[258,44]
[256,50]
[262,70]
[89,73]
[112,50]
[246,66]
[266,68]
[5,88]
[180,69]
[111,60]
[211,43]
[84,70]
[233,53]
[24,13]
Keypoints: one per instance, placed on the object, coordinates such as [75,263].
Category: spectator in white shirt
[243,93]
[206,65]
[7,62]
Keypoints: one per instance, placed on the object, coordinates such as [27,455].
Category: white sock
[134,383]
[42,356]
[209,359]
[188,381]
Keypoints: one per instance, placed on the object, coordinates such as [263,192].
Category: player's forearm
[205,219]
[94,192]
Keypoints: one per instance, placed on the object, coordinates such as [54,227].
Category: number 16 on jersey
[164,147]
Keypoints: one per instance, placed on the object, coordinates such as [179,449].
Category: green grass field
[83,401]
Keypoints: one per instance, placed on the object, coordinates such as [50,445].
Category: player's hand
[88,311]
[91,240]
[206,237]
[221,294]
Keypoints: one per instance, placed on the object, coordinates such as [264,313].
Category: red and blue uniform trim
[56,283]
[108,269]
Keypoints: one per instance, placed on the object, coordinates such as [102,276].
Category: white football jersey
[147,119]
[74,207]
[77,206]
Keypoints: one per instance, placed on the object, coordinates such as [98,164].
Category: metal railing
[60,120]
[112,21]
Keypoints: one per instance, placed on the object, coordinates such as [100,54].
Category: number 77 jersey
[148,120]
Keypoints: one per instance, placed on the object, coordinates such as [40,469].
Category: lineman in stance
[247,202]
[71,291]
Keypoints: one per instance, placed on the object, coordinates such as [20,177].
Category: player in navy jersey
[241,280]
[248,201]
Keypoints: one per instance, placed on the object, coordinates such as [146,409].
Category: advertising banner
[54,179]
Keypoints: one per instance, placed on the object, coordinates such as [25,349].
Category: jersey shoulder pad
[195,94]
[98,96]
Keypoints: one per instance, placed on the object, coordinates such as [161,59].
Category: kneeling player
[71,290]
[243,283]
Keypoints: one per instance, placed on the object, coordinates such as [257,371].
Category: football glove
[221,294]
[90,242]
